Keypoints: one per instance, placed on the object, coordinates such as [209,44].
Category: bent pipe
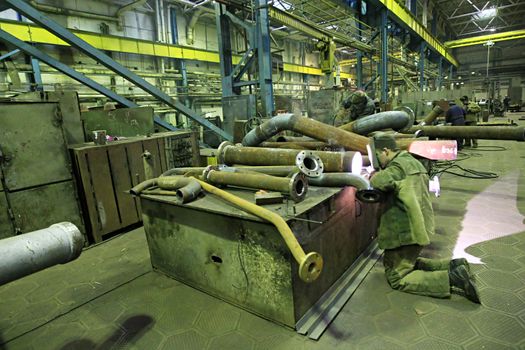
[186,189]
[308,127]
[365,193]
[310,265]
[333,161]
[516,133]
[30,252]
[295,187]
[274,170]
[397,120]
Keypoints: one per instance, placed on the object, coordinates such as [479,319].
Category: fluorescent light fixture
[492,29]
[282,6]
[486,13]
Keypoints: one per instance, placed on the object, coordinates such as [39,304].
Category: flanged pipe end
[309,163]
[298,187]
[411,117]
[311,267]
[221,150]
[370,196]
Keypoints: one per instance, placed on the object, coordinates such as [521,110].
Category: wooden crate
[105,173]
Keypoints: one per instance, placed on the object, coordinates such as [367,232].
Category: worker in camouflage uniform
[406,225]
[471,118]
[355,106]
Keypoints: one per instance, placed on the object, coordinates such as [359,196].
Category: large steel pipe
[294,187]
[275,170]
[310,265]
[311,145]
[516,133]
[396,120]
[333,161]
[433,115]
[308,127]
[34,251]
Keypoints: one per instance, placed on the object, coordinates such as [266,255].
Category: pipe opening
[216,259]
[310,163]
[300,187]
[312,267]
[180,196]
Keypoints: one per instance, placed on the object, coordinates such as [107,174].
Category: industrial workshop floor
[110,298]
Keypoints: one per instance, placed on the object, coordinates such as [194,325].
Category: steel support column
[384,55]
[439,80]
[180,63]
[264,56]
[225,50]
[422,66]
[64,34]
[359,69]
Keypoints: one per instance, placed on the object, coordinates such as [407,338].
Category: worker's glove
[434,187]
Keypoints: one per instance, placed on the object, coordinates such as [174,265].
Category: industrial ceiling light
[486,13]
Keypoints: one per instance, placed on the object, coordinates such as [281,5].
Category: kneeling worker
[407,223]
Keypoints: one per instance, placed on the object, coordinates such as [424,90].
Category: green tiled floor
[110,299]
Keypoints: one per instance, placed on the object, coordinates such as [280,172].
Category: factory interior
[262,174]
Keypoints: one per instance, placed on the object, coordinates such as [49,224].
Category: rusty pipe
[294,187]
[310,265]
[432,115]
[397,120]
[274,170]
[229,154]
[308,127]
[186,189]
[340,180]
[516,133]
[311,145]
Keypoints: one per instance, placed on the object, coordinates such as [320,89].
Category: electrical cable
[441,167]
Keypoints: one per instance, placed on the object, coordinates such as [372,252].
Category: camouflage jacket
[407,216]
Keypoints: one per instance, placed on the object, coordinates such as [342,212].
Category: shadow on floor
[128,333]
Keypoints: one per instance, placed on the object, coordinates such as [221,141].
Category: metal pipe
[69,12]
[274,170]
[129,7]
[310,265]
[34,251]
[286,138]
[516,133]
[340,180]
[186,189]
[397,120]
[307,127]
[433,115]
[190,28]
[294,187]
[333,161]
[312,145]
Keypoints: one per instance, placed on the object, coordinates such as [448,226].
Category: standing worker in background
[471,118]
[407,223]
[355,106]
[456,116]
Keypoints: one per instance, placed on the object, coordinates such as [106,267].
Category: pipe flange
[311,267]
[298,187]
[309,163]
[370,195]
[411,117]
[206,172]
[221,151]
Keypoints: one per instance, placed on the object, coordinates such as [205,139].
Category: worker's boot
[462,283]
[459,262]
[474,144]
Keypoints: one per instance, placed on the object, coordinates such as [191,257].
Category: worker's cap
[464,98]
[358,97]
[384,141]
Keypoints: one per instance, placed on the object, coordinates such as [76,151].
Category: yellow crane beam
[479,40]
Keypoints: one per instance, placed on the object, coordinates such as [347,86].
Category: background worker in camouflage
[471,118]
[355,106]
[406,224]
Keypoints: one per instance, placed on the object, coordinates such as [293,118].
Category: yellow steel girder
[31,33]
[478,40]
[406,17]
